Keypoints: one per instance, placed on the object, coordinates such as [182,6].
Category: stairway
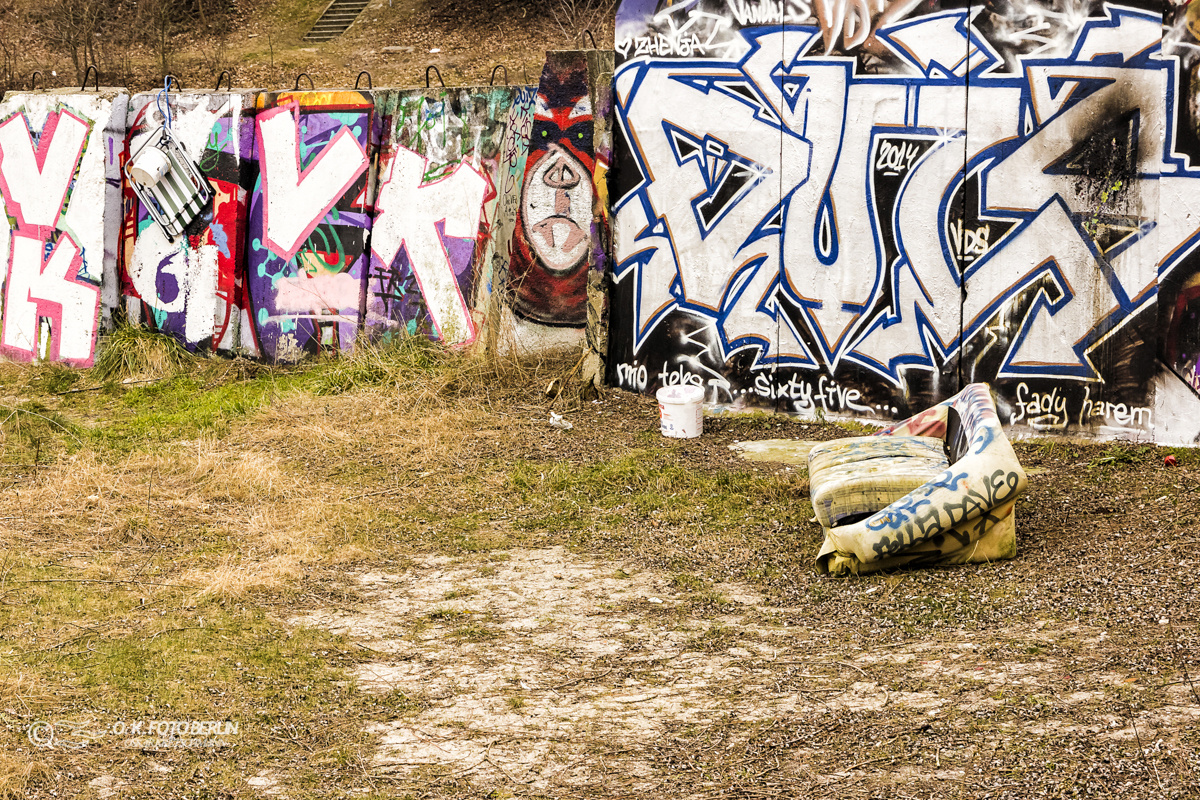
[335,19]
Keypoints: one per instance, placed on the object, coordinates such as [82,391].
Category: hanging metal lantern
[167,182]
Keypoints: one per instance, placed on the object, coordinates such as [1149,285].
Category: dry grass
[135,353]
[23,690]
[153,576]
[235,578]
[19,774]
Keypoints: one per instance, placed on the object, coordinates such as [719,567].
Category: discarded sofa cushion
[962,513]
[853,478]
[997,543]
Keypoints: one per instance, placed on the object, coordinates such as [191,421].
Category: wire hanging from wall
[163,100]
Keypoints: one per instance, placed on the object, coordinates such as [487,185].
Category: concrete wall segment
[857,214]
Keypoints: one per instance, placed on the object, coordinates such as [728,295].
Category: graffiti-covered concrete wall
[438,210]
[859,208]
[310,219]
[193,287]
[320,217]
[560,241]
[59,180]
[825,209]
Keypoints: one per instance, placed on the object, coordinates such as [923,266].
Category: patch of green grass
[163,393]
[175,662]
[183,408]
[29,432]
[54,378]
[642,482]
[1118,455]
[687,582]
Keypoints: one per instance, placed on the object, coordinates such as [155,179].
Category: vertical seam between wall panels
[960,266]
[780,310]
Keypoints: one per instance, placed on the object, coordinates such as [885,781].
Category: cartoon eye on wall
[167,182]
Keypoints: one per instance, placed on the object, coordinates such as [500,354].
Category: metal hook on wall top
[33,79]
[312,86]
[492,82]
[91,71]
[588,34]
[228,81]
[169,79]
[370,83]
[437,72]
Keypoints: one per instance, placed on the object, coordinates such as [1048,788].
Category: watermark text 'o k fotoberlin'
[155,734]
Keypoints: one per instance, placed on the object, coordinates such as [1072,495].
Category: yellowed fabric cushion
[961,514]
[861,475]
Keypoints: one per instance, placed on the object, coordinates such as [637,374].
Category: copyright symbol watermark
[41,734]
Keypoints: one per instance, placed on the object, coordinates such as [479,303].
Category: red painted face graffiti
[557,202]
[549,267]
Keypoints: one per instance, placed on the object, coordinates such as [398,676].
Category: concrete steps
[335,19]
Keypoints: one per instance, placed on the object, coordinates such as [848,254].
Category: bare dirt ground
[400,580]
[575,677]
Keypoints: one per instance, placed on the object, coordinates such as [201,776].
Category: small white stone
[655,600]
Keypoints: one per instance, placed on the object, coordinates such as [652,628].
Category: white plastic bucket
[681,415]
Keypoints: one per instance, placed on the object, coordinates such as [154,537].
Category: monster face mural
[549,268]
